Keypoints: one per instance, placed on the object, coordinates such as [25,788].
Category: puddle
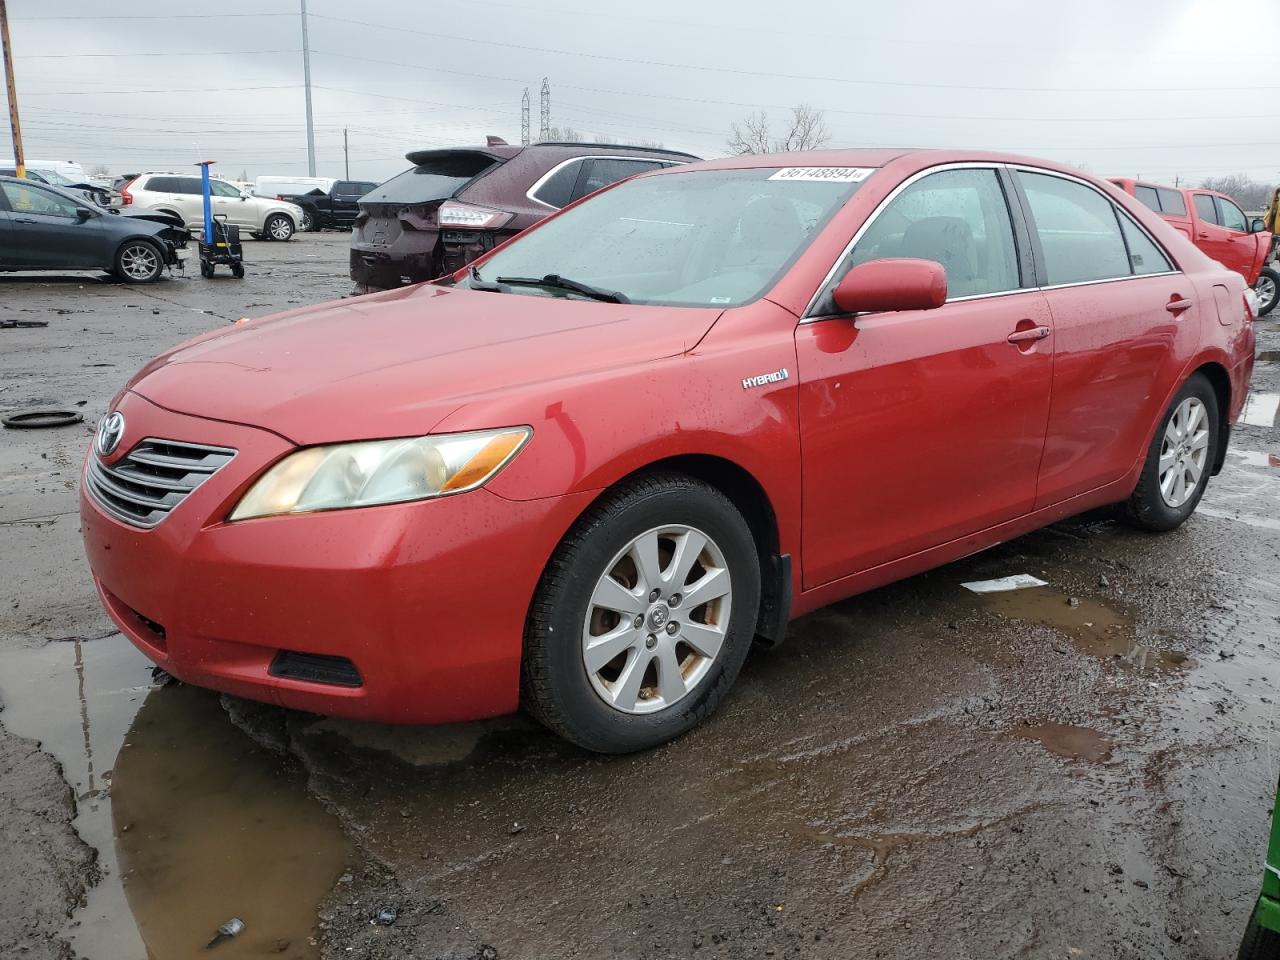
[1268,356]
[1064,740]
[193,821]
[1095,628]
[1255,458]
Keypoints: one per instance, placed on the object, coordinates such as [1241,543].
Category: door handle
[23,220]
[1178,304]
[1034,333]
[1202,235]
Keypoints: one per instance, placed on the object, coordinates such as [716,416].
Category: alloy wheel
[1265,288]
[1184,452]
[280,228]
[657,619]
[139,262]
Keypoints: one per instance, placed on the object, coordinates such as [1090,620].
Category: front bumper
[428,600]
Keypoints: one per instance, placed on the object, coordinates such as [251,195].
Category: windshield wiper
[485,286]
[557,282]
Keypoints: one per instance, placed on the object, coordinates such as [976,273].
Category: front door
[920,427]
[230,204]
[1223,233]
[47,230]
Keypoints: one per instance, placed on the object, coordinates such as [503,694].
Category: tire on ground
[1268,279]
[139,261]
[555,686]
[278,227]
[1146,507]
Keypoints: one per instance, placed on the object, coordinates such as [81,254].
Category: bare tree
[604,138]
[564,135]
[806,130]
[1244,190]
[100,170]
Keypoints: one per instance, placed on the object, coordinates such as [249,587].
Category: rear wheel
[278,227]
[1179,459]
[308,224]
[643,617]
[1267,288]
[1258,942]
[139,261]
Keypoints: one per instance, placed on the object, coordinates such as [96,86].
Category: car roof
[507,151]
[904,157]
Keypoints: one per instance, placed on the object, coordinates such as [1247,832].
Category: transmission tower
[544,133]
[524,118]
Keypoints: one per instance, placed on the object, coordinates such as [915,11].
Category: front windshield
[704,238]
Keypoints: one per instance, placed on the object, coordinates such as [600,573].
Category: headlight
[380,471]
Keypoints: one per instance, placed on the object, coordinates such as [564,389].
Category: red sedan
[586,473]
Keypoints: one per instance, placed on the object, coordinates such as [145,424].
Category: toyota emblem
[110,432]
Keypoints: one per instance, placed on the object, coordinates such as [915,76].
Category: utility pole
[346,157]
[11,86]
[545,132]
[306,79]
[524,118]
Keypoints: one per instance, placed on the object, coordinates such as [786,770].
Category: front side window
[1205,209]
[220,188]
[958,218]
[1078,230]
[708,238]
[24,198]
[1233,217]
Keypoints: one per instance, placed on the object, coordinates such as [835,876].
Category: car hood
[397,363]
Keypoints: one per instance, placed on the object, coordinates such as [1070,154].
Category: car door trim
[1030,236]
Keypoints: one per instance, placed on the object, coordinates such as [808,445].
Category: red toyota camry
[585,474]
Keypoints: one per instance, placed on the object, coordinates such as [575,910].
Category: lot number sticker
[828,174]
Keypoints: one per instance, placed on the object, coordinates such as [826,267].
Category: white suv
[180,194]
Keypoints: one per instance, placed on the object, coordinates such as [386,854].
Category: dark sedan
[46,228]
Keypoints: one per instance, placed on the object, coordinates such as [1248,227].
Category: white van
[272,187]
[67,168]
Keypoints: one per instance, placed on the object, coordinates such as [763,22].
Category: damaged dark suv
[455,204]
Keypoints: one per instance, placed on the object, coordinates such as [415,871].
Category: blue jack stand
[220,241]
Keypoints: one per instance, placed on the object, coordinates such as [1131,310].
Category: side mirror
[83,214]
[884,285]
[1256,225]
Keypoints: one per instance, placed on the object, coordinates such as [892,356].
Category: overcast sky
[1160,88]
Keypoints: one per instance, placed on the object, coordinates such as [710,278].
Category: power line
[189,53]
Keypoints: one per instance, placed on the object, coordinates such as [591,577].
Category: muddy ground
[1081,770]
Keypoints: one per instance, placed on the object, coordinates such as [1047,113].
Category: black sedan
[46,228]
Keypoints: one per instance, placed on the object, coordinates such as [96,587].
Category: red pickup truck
[1216,224]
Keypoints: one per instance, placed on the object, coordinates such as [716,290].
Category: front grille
[155,477]
[315,668]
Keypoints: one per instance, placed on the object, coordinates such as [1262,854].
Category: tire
[568,696]
[139,261]
[237,271]
[1267,287]
[1258,942]
[278,227]
[308,224]
[1152,507]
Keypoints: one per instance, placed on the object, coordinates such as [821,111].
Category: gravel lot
[1086,769]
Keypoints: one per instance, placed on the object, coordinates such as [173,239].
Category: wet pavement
[1084,769]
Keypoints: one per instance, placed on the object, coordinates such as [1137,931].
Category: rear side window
[437,177]
[958,218]
[603,171]
[1232,216]
[1144,255]
[1147,196]
[1171,201]
[557,189]
[1205,209]
[1078,230]
[352,188]
[162,184]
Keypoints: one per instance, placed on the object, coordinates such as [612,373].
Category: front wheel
[1258,942]
[139,261]
[1267,288]
[308,224]
[1179,459]
[643,617]
[278,227]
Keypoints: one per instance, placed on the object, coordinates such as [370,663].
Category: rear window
[438,178]
[1148,195]
[1171,201]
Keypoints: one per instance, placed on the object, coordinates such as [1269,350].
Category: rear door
[1122,316]
[47,231]
[924,426]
